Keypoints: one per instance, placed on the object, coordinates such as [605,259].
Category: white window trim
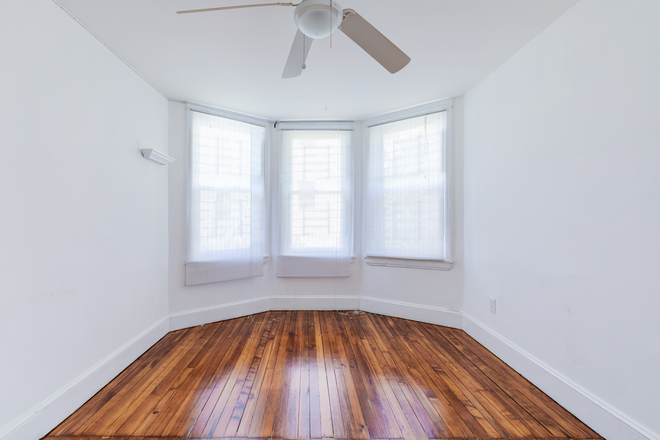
[412,112]
[316,125]
[408,262]
[249,119]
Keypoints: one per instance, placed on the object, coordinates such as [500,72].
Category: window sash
[316,203]
[226,199]
[407,162]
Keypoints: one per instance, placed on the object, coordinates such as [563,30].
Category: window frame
[227,114]
[413,112]
[322,125]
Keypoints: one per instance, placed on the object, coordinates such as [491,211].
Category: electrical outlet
[493,305]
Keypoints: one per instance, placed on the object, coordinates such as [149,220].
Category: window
[225,199]
[406,192]
[316,209]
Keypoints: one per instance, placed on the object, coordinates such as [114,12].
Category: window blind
[316,210]
[225,200]
[405,189]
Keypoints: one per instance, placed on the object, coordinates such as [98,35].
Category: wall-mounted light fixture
[156,156]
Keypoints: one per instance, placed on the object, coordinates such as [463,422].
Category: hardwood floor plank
[351,407]
[406,419]
[230,398]
[473,389]
[557,420]
[443,400]
[103,418]
[364,361]
[226,390]
[468,410]
[282,412]
[139,414]
[251,407]
[340,427]
[320,375]
[305,416]
[526,425]
[402,365]
[275,399]
[450,385]
[429,366]
[292,405]
[252,428]
[325,414]
[150,408]
[248,438]
[536,412]
[222,375]
[189,411]
[241,403]
[315,415]
[365,394]
[143,364]
[183,413]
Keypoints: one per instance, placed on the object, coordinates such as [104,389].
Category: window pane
[316,193]
[226,193]
[405,188]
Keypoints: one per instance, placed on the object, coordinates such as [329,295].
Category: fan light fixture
[316,18]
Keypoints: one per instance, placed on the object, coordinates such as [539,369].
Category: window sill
[266,257]
[409,263]
[284,255]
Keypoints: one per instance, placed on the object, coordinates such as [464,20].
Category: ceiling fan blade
[191,11]
[297,56]
[373,42]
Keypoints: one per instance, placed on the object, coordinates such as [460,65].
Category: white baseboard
[314,302]
[221,312]
[42,418]
[599,416]
[415,312]
[191,318]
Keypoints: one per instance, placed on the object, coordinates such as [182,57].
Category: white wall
[562,203]
[205,303]
[83,229]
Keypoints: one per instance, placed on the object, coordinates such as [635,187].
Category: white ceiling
[234,59]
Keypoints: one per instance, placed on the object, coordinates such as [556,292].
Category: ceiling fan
[320,18]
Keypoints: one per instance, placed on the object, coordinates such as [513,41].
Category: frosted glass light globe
[316,18]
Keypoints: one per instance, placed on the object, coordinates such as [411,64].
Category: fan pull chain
[304,37]
[331,17]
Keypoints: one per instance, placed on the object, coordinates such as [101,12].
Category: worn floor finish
[320,375]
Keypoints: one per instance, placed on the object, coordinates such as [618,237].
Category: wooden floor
[320,375]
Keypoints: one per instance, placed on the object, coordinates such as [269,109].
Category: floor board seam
[382,378]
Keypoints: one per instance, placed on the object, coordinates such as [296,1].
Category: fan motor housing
[318,18]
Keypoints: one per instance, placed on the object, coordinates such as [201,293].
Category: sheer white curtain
[405,189]
[225,200]
[316,203]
